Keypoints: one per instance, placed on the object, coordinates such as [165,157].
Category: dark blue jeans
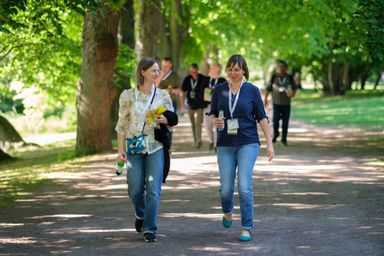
[281,112]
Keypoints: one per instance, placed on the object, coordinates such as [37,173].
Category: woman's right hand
[121,157]
[219,123]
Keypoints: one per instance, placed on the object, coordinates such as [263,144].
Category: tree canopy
[339,42]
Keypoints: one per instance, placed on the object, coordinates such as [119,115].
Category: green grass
[356,109]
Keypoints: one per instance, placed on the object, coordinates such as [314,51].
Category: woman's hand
[161,119]
[218,122]
[121,157]
[270,151]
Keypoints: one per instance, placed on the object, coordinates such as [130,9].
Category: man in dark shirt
[283,88]
[193,92]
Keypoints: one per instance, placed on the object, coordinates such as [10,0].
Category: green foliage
[125,64]
[43,50]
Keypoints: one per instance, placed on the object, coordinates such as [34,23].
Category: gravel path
[322,195]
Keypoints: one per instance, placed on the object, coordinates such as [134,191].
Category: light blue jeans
[243,159]
[144,178]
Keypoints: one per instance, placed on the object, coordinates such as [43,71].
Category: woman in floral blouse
[145,169]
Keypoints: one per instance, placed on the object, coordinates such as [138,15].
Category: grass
[356,109]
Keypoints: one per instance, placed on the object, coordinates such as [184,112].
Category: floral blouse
[133,104]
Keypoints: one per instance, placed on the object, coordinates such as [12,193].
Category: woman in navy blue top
[236,108]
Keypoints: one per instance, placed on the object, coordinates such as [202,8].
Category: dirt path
[322,195]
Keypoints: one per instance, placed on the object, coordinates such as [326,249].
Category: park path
[322,195]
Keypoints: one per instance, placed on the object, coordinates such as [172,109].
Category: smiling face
[235,73]
[166,66]
[152,74]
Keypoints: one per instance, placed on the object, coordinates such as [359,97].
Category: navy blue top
[249,111]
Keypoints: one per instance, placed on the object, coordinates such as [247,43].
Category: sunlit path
[322,195]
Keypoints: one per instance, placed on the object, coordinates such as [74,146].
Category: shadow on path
[322,195]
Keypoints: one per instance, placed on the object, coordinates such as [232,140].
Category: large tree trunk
[149,24]
[96,89]
[127,38]
[178,25]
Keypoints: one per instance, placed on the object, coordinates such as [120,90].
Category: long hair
[143,65]
[239,60]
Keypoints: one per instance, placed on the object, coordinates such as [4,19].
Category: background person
[193,92]
[283,88]
[212,80]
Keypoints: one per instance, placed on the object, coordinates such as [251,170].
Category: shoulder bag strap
[150,104]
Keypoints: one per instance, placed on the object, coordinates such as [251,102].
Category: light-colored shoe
[245,237]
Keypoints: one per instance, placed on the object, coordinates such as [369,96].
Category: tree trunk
[377,80]
[96,89]
[149,26]
[344,78]
[8,137]
[4,156]
[126,37]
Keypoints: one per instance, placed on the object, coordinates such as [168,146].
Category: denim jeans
[243,159]
[144,178]
[281,112]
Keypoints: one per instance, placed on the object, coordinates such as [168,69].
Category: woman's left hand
[161,119]
[270,152]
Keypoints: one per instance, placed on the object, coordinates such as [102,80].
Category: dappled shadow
[313,199]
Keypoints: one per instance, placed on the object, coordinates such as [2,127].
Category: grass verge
[356,109]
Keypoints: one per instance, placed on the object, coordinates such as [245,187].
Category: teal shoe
[227,223]
[244,238]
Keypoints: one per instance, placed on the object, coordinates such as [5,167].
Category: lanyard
[215,82]
[193,84]
[167,75]
[232,108]
[282,82]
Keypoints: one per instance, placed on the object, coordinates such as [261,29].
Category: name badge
[233,125]
[192,94]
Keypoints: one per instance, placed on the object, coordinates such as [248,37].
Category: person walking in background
[283,88]
[170,80]
[145,167]
[193,92]
[211,81]
[236,108]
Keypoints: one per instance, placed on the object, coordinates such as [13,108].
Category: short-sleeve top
[133,105]
[171,81]
[279,86]
[188,87]
[249,110]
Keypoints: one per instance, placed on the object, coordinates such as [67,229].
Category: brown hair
[144,65]
[239,60]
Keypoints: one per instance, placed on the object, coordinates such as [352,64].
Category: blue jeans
[243,159]
[144,177]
